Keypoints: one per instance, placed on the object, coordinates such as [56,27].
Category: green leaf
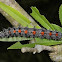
[60,14]
[13,39]
[39,40]
[41,19]
[57,28]
[18,45]
[47,41]
[16,15]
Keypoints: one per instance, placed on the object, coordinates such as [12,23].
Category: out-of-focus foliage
[60,14]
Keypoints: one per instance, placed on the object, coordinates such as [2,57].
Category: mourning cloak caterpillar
[30,33]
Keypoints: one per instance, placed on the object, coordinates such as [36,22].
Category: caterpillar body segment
[30,33]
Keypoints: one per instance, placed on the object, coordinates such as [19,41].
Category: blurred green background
[50,9]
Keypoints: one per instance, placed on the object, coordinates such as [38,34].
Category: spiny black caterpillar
[30,33]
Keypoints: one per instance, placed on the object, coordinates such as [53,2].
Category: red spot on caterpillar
[50,33]
[34,32]
[42,33]
[56,34]
[25,31]
[14,31]
[19,31]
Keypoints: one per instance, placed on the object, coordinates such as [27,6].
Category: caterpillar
[30,33]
